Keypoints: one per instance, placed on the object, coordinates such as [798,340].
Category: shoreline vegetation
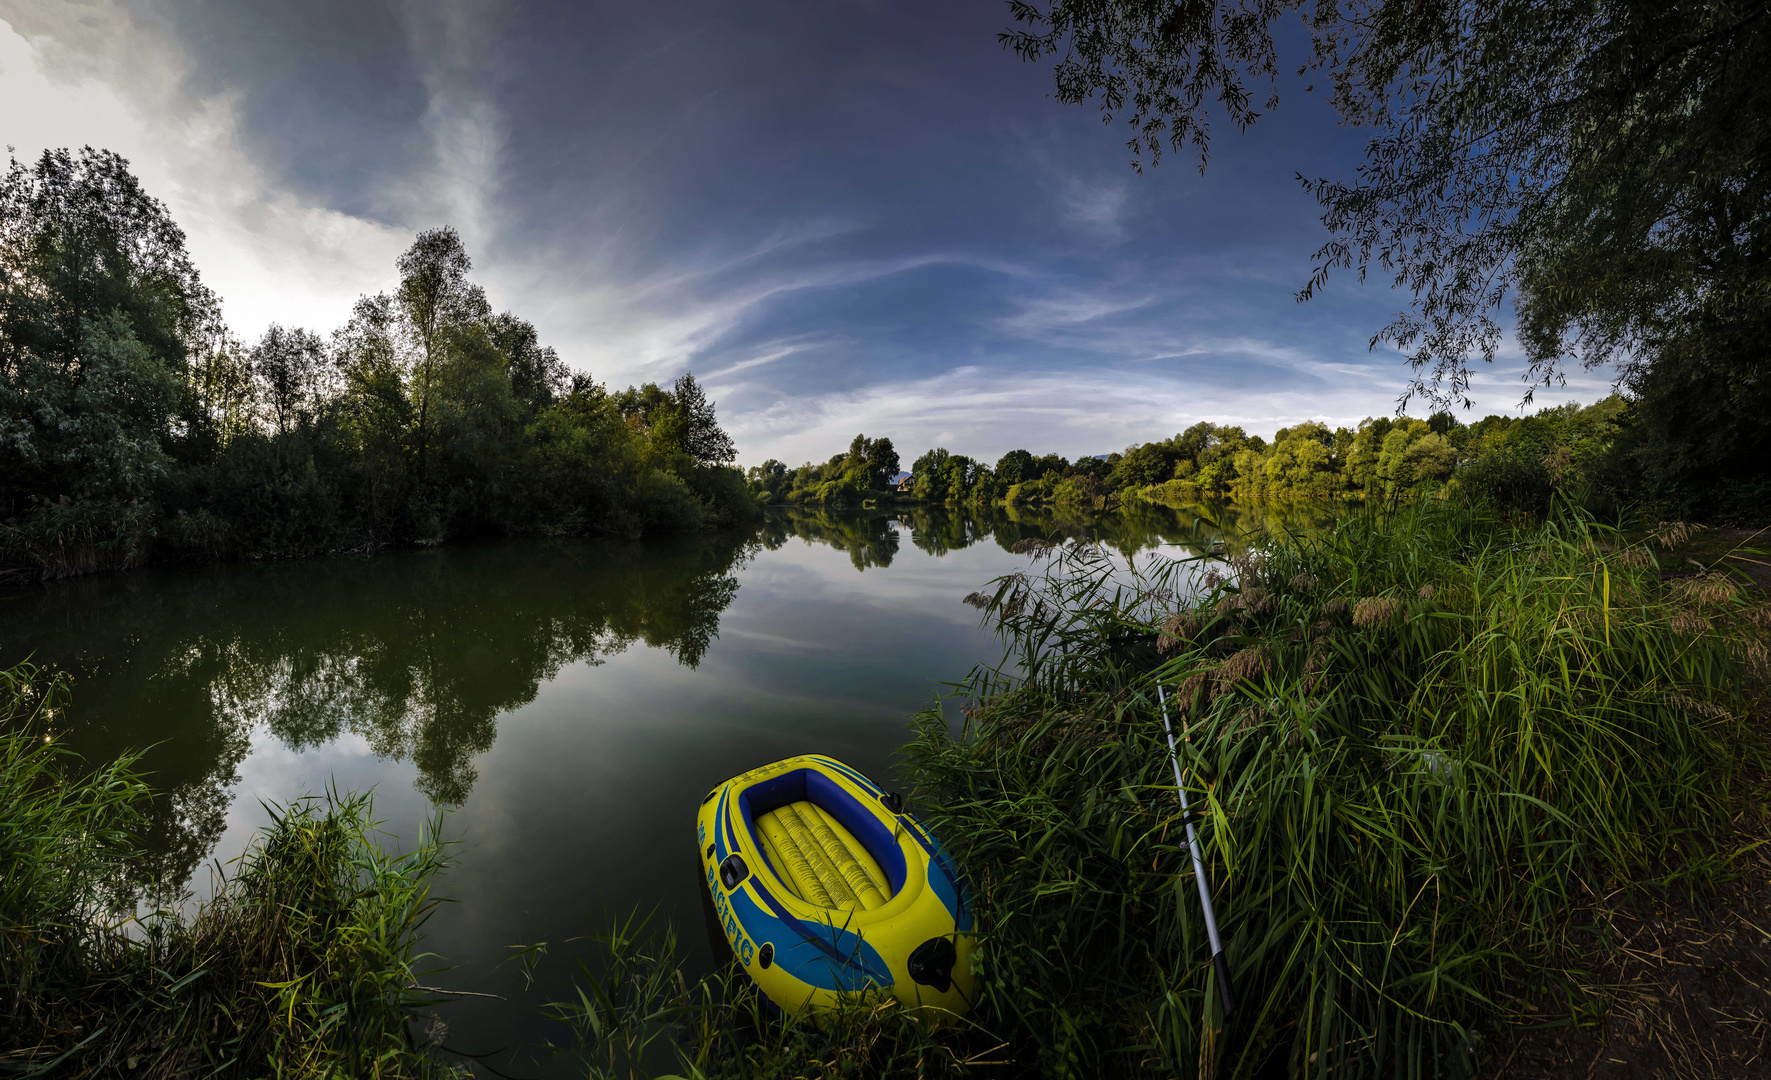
[1595,454]
[1444,754]
[304,962]
[136,427]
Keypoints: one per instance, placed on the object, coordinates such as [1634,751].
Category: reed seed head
[1177,630]
[1705,590]
[1670,534]
[1372,610]
[1241,667]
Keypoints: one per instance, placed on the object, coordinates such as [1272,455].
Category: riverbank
[75,538]
[1437,752]
[1434,750]
[304,962]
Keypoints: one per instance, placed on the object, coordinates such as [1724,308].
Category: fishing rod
[1218,960]
[1140,651]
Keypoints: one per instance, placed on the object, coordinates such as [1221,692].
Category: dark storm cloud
[328,92]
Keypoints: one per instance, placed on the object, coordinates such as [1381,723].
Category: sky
[842,216]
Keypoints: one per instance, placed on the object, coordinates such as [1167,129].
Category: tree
[771,476]
[680,420]
[1303,462]
[222,394]
[1603,163]
[537,374]
[291,367]
[703,438]
[100,309]
[434,294]
[875,459]
[1443,422]
[930,474]
[377,412]
[1014,467]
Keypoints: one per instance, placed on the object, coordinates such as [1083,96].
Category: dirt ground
[1740,551]
[1673,987]
[1677,990]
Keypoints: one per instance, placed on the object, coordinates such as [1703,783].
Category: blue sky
[842,216]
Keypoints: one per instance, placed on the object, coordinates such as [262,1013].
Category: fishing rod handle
[1221,964]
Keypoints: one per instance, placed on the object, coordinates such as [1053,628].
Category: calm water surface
[569,702]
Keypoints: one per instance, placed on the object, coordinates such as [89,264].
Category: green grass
[302,964]
[1423,740]
[635,1015]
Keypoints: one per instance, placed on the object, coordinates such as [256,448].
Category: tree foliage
[101,311]
[1602,163]
[129,418]
[291,369]
[1515,461]
[868,470]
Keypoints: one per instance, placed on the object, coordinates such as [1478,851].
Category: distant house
[905,483]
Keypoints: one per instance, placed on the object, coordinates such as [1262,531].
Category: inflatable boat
[826,889]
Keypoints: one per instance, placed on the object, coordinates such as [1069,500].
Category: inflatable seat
[820,860]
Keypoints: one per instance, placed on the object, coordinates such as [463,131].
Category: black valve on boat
[931,963]
[732,872]
[893,802]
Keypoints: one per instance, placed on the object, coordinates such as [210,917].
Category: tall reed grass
[303,963]
[1421,740]
[82,536]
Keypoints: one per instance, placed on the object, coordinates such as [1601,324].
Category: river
[569,702]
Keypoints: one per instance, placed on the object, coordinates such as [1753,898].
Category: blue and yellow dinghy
[824,887]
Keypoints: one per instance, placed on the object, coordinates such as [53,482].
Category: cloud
[773,351]
[462,121]
[987,412]
[622,325]
[1065,311]
[1093,196]
[1099,204]
[829,250]
[98,75]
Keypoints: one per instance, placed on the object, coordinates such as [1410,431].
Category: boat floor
[819,860]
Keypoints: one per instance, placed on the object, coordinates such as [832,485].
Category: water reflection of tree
[418,655]
[868,536]
[1129,530]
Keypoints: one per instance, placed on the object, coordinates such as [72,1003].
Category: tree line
[133,424]
[1594,452]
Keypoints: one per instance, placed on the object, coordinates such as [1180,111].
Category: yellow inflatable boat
[825,888]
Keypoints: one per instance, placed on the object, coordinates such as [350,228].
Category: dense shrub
[1509,479]
[272,493]
[80,536]
[667,504]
